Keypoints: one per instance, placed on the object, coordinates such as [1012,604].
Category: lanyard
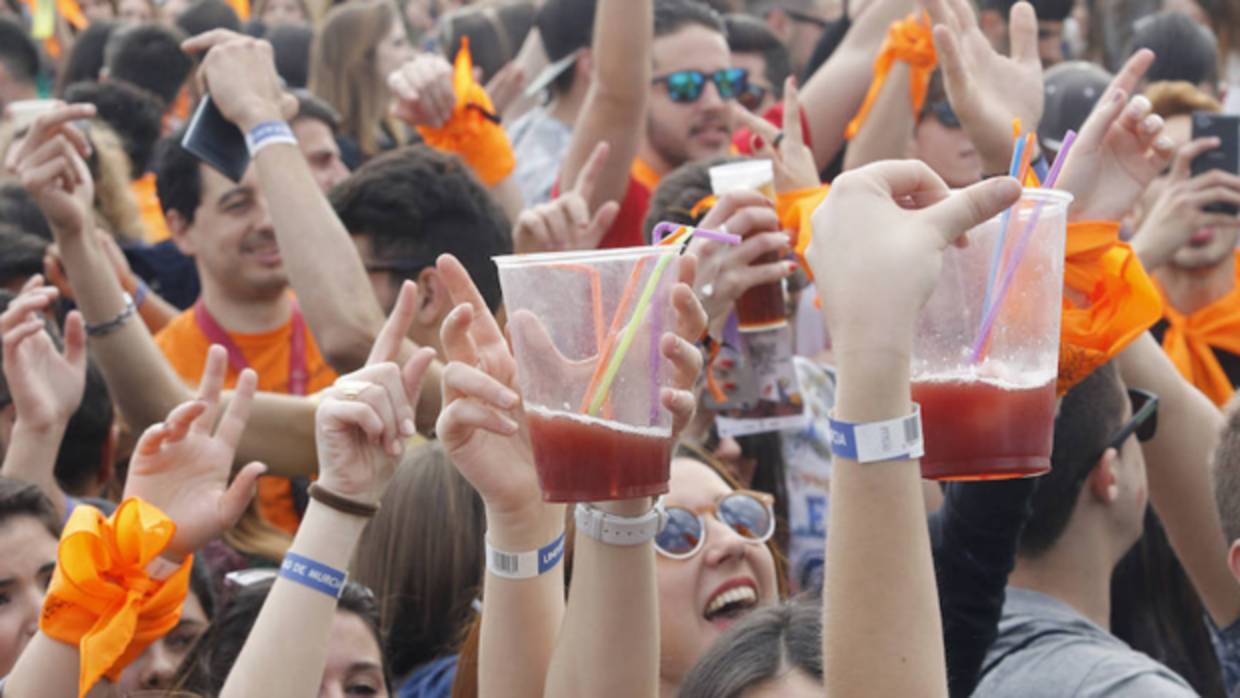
[298,376]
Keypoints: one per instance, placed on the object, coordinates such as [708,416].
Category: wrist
[258,114]
[327,536]
[625,507]
[525,529]
[44,430]
[872,385]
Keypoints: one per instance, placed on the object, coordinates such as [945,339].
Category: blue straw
[997,256]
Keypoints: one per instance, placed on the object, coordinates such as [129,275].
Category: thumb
[238,495]
[972,206]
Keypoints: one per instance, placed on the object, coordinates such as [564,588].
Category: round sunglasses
[687,86]
[750,514]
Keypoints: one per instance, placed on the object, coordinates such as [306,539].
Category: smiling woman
[29,530]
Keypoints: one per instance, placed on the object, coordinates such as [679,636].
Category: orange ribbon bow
[1190,342]
[912,41]
[101,598]
[1108,302]
[473,132]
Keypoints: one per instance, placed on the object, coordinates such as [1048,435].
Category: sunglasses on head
[686,86]
[1144,421]
[752,96]
[750,514]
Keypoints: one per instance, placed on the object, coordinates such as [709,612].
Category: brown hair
[422,555]
[1178,98]
[255,537]
[1227,472]
[343,71]
[19,498]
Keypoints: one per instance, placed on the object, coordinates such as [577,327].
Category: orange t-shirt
[185,346]
[149,208]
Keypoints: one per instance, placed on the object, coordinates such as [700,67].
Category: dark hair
[749,35]
[1184,50]
[18,52]
[670,16]
[178,181]
[415,204]
[205,15]
[85,444]
[565,26]
[19,498]
[133,113]
[21,254]
[18,208]
[495,33]
[1046,10]
[765,645]
[85,61]
[148,55]
[311,107]
[1089,415]
[680,191]
[206,668]
[290,44]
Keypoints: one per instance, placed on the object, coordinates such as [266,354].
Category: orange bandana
[1122,300]
[101,598]
[644,174]
[473,132]
[1191,339]
[912,41]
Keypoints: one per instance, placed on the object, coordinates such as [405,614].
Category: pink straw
[992,312]
[663,229]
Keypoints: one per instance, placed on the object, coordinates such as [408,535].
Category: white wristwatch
[620,530]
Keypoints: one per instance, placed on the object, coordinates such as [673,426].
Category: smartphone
[216,141]
[1226,128]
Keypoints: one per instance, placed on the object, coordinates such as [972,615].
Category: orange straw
[622,308]
[675,237]
[596,297]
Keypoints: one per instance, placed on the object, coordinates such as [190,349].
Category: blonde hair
[1178,98]
[255,537]
[343,70]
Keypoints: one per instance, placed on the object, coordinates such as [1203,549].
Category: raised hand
[986,89]
[565,223]
[363,419]
[795,168]
[240,73]
[1179,211]
[726,271]
[866,230]
[181,465]
[50,164]
[46,385]
[1119,150]
[423,91]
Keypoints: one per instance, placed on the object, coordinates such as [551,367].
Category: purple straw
[992,312]
[665,228]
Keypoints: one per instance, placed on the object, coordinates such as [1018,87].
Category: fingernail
[1163,143]
[757,142]
[792,266]
[509,425]
[508,398]
[1152,123]
[408,428]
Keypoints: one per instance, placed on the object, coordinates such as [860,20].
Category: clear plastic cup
[585,329]
[23,112]
[762,307]
[988,397]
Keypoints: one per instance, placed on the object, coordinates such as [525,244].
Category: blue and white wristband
[527,565]
[873,442]
[316,575]
[268,133]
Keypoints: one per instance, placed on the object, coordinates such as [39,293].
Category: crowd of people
[262,415]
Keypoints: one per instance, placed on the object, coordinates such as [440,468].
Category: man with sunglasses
[1051,17]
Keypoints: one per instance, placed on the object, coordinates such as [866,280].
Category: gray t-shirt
[539,143]
[1045,648]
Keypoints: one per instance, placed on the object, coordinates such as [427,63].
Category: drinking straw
[679,231]
[988,321]
[621,308]
[997,256]
[596,297]
[630,330]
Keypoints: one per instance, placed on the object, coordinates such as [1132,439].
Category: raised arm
[834,93]
[615,106]
[887,132]
[883,639]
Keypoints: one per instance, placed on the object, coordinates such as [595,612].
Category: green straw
[630,331]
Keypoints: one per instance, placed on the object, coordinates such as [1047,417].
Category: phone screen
[1226,156]
[216,141]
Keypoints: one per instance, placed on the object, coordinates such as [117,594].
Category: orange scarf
[912,41]
[473,132]
[795,210]
[1122,300]
[101,598]
[644,174]
[1190,341]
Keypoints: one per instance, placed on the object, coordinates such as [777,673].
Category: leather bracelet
[341,503]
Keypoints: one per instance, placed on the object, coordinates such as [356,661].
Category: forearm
[45,669]
[834,94]
[292,628]
[520,617]
[323,265]
[1179,466]
[280,433]
[1152,248]
[508,195]
[609,645]
[31,457]
[886,636]
[886,132]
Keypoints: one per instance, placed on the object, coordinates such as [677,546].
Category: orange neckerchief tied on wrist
[473,132]
[1122,301]
[796,211]
[912,41]
[101,598]
[1190,341]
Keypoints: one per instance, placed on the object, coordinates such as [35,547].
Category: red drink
[762,307]
[981,430]
[583,459]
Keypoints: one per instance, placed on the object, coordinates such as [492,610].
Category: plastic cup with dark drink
[761,307]
[986,353]
[585,329]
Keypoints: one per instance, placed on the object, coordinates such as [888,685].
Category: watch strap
[613,529]
[874,442]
